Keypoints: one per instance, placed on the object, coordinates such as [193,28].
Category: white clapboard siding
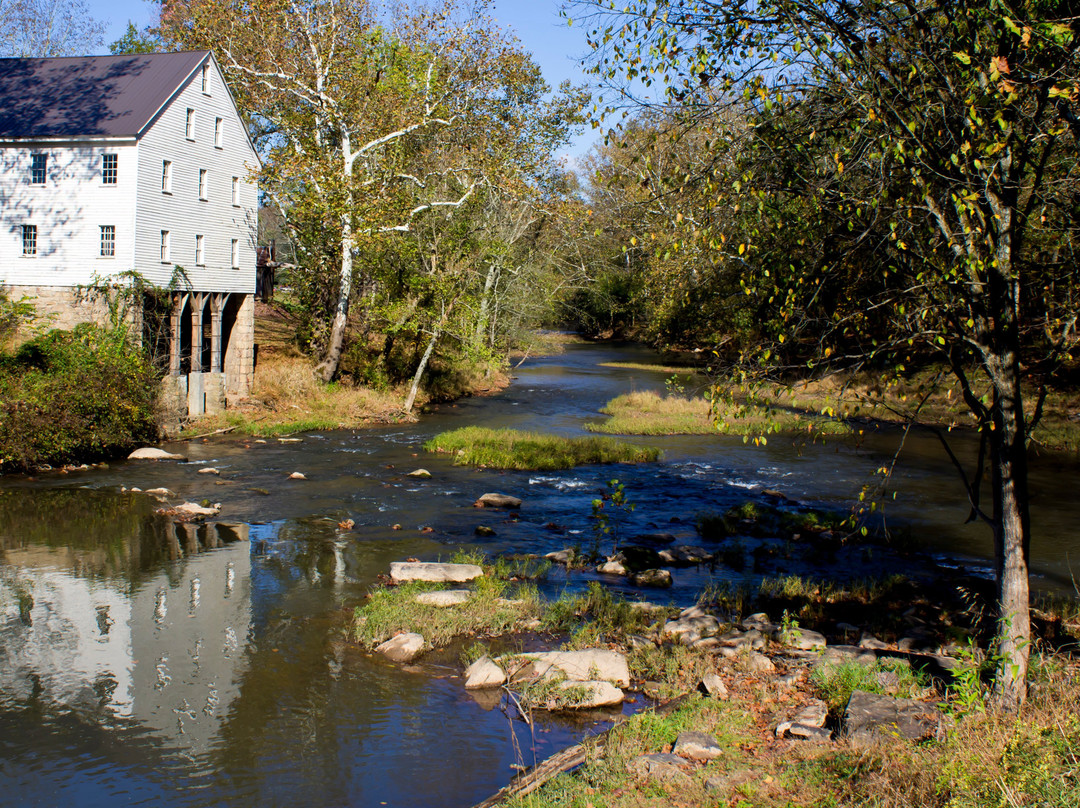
[181,212]
[69,210]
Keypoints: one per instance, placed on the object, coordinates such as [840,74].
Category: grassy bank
[515,449]
[288,397]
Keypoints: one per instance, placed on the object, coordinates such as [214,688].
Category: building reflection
[149,625]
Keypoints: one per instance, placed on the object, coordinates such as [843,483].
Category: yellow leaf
[742,249]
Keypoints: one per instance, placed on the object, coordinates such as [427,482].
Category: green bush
[74,396]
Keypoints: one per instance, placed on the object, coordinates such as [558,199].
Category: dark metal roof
[89,96]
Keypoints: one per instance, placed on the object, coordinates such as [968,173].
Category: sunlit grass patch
[289,398]
[515,449]
[683,370]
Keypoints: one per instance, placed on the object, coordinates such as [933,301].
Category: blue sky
[555,46]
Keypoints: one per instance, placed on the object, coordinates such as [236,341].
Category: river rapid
[143,662]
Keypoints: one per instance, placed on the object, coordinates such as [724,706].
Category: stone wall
[239,359]
[61,307]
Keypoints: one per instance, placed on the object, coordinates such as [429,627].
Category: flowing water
[144,662]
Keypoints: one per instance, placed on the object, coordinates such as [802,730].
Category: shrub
[73,396]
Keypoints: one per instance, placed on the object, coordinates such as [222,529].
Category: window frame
[236,192]
[206,78]
[108,241]
[235,253]
[219,133]
[42,170]
[166,176]
[166,247]
[200,250]
[110,175]
[189,124]
[204,184]
[29,241]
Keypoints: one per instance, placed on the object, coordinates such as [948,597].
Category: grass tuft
[514,449]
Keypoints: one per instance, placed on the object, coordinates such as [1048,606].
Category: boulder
[802,639]
[636,558]
[593,664]
[689,628]
[497,501]
[422,474]
[561,556]
[484,531]
[839,654]
[868,715]
[761,622]
[485,672]
[444,597]
[658,578]
[685,554]
[697,746]
[713,685]
[195,509]
[742,639]
[154,453]
[402,648]
[431,571]
[585,695]
[868,640]
[660,766]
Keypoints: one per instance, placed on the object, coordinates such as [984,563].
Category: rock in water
[402,648]
[153,453]
[659,578]
[497,501]
[431,571]
[484,531]
[422,474]
[297,475]
[194,509]
[484,673]
[444,597]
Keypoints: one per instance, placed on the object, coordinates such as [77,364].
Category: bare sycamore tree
[48,28]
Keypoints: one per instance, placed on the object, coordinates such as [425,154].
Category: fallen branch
[215,432]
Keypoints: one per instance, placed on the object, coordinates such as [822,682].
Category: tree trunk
[423,365]
[328,368]
[1011,538]
[485,302]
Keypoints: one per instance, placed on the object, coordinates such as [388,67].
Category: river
[148,663]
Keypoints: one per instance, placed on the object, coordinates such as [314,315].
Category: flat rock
[432,571]
[422,474]
[660,766]
[697,746]
[560,556]
[402,648]
[712,685]
[658,578]
[868,640]
[209,470]
[160,492]
[759,621]
[742,639]
[497,501]
[869,715]
[195,509]
[685,554]
[298,475]
[690,629]
[444,597]
[839,654]
[585,695]
[593,664]
[485,672]
[812,716]
[815,734]
[154,453]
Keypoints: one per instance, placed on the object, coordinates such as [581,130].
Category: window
[218,134]
[108,241]
[108,169]
[189,125]
[166,176]
[164,246]
[206,78]
[29,239]
[236,191]
[200,251]
[236,253]
[38,163]
[203,182]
